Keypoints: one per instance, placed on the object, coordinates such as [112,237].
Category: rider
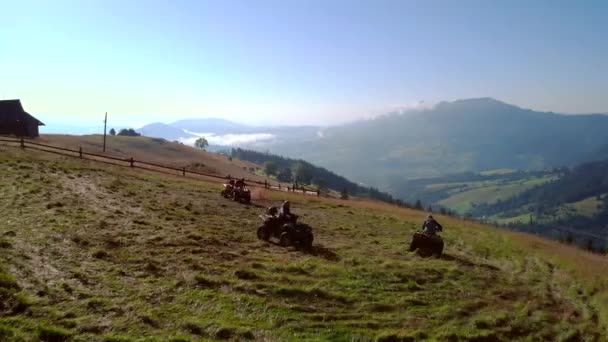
[240,183]
[430,226]
[285,212]
[230,186]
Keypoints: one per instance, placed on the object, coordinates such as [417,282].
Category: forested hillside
[302,172]
[502,183]
[453,137]
[576,202]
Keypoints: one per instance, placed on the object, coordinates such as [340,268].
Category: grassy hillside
[91,252]
[588,207]
[157,151]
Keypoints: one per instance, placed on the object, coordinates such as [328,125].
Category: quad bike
[289,233]
[227,190]
[427,245]
[239,194]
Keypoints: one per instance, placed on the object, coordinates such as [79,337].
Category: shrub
[117,338]
[129,132]
[53,334]
[203,281]
[8,282]
[194,328]
[4,243]
[245,275]
[100,254]
[179,339]
[224,333]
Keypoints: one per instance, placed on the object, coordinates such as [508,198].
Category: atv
[239,194]
[289,233]
[427,245]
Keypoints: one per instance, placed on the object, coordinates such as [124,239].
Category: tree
[344,194]
[112,131]
[418,205]
[589,246]
[270,168]
[569,238]
[201,143]
[285,175]
[129,132]
[302,173]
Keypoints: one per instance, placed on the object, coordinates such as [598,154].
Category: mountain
[162,130]
[471,135]
[224,134]
[217,126]
[460,136]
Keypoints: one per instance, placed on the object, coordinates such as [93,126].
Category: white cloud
[230,139]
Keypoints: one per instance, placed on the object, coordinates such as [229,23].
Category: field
[587,207]
[157,151]
[462,196]
[91,252]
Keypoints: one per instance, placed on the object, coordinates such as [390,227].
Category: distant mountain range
[452,137]
[466,135]
[223,134]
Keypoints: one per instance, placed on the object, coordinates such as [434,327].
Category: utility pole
[105,124]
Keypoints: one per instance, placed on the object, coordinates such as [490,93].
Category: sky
[297,61]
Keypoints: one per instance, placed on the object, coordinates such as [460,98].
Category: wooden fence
[140,164]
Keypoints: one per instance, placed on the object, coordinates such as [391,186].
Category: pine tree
[589,246]
[344,194]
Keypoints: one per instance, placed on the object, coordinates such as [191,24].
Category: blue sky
[297,61]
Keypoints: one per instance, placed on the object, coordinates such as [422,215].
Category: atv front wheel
[263,233]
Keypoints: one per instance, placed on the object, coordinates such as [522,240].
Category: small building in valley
[16,121]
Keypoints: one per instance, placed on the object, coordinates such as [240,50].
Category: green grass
[465,195]
[126,256]
[523,218]
[497,172]
[588,207]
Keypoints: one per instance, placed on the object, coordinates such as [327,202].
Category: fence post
[131,161]
[22,143]
[80,152]
[184,171]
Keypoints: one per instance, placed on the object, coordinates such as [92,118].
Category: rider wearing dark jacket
[430,226]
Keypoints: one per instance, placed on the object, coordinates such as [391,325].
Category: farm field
[462,196]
